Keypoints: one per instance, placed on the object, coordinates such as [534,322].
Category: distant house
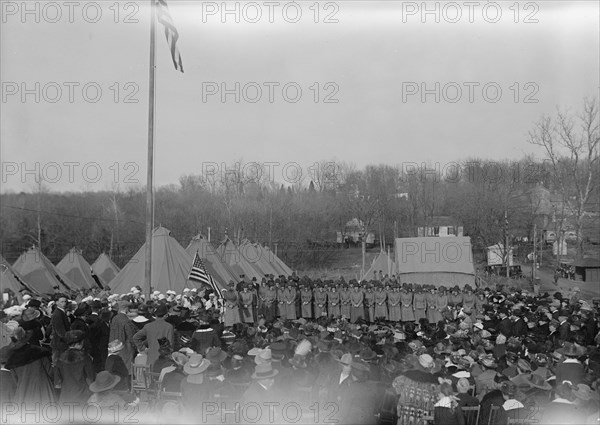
[440,226]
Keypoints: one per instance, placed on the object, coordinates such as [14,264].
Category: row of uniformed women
[356,303]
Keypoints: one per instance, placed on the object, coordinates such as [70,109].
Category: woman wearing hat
[381,310]
[192,387]
[74,371]
[406,301]
[31,366]
[571,368]
[116,366]
[104,396]
[419,303]
[31,324]
[345,301]
[231,299]
[394,300]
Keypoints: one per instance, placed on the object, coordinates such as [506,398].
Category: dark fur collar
[73,355]
[25,355]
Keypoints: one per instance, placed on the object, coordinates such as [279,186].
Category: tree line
[493,201]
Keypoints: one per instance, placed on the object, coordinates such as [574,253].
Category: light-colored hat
[264,371]
[400,336]
[463,385]
[196,365]
[426,361]
[104,381]
[500,339]
[140,319]
[156,293]
[115,346]
[186,289]
[264,356]
[346,359]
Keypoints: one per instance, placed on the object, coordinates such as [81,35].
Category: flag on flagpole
[164,17]
[200,274]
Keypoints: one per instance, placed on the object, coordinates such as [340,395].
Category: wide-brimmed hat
[572,349]
[585,393]
[115,346]
[345,359]
[140,319]
[538,381]
[179,358]
[264,371]
[30,314]
[104,381]
[215,355]
[196,365]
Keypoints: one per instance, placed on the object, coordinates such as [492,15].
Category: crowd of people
[292,349]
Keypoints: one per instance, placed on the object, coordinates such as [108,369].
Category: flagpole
[149,184]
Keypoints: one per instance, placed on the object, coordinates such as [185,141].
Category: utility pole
[534,252]
[506,247]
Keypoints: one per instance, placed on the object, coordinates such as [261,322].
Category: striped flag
[164,17]
[200,274]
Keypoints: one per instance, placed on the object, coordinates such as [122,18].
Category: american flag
[164,17]
[200,274]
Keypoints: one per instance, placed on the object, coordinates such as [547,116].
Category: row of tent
[171,265]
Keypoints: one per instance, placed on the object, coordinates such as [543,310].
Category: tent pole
[149,184]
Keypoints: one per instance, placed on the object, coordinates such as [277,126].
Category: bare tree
[570,145]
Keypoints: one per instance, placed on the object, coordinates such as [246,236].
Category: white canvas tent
[437,261]
[171,266]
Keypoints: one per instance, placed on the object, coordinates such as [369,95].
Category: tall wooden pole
[150,177]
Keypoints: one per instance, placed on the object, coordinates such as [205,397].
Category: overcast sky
[374,61]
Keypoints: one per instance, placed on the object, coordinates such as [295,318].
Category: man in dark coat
[60,325]
[149,335]
[505,326]
[123,329]
[519,327]
[203,338]
[99,334]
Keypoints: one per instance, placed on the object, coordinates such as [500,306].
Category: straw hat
[104,381]
[264,371]
[196,365]
[115,346]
